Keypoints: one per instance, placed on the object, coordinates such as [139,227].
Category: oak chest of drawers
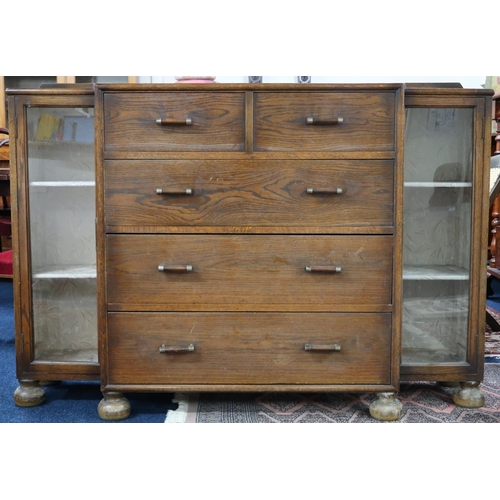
[249,238]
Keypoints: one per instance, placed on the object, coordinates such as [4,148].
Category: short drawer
[253,193]
[174,121]
[248,272]
[248,348]
[321,121]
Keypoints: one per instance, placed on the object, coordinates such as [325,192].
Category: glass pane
[62,227]
[437,230]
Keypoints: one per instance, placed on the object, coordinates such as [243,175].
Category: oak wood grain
[248,272]
[368,121]
[218,122]
[249,193]
[252,348]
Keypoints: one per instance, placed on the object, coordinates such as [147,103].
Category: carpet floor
[492,339]
[422,403]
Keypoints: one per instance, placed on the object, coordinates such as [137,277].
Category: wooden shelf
[419,184]
[80,356]
[45,150]
[62,183]
[69,271]
[435,273]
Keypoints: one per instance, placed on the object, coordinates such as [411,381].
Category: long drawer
[324,121]
[174,121]
[259,193]
[249,272]
[248,348]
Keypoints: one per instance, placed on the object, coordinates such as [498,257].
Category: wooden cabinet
[446,186]
[272,238]
[247,239]
[53,208]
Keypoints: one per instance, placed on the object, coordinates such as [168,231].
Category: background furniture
[494,248]
[4,173]
[493,244]
[5,221]
[53,208]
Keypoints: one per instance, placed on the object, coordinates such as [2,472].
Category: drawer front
[250,193]
[248,272]
[308,121]
[217,121]
[248,348]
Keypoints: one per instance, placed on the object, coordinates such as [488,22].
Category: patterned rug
[423,402]
[492,339]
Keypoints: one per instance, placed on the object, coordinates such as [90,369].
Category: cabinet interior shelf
[62,183]
[422,184]
[48,150]
[66,271]
[423,357]
[81,356]
[435,273]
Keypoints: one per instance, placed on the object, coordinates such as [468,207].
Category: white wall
[466,81]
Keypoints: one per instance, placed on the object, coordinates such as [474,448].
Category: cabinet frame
[20,100]
[27,367]
[480,102]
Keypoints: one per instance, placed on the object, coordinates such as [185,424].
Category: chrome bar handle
[323,269]
[173,192]
[167,349]
[173,122]
[310,120]
[324,190]
[174,269]
[319,347]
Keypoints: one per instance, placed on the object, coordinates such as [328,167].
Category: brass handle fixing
[174,269]
[173,122]
[324,190]
[323,269]
[187,191]
[310,120]
[316,347]
[166,349]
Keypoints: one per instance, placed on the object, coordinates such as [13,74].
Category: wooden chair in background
[5,220]
[493,270]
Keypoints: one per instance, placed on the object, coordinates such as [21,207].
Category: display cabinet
[299,238]
[53,200]
[446,185]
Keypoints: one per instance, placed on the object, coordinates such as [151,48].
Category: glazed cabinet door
[55,274]
[442,238]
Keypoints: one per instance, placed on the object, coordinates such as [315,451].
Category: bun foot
[469,395]
[114,406]
[386,407]
[29,393]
